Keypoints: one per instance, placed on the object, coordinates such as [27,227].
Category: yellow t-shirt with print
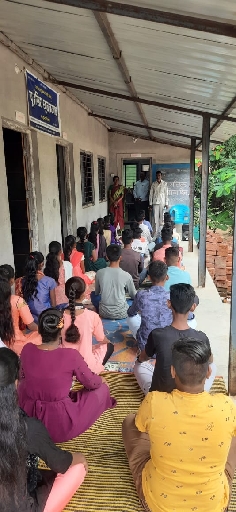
[190,437]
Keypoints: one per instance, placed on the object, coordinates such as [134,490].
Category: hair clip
[60,324]
[31,257]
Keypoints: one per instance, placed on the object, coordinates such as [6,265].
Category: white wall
[84,132]
[122,146]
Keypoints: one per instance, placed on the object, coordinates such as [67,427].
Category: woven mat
[109,487]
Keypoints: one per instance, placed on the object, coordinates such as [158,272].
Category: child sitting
[80,325]
[87,247]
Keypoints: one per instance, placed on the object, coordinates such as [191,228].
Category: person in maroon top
[24,487]
[47,371]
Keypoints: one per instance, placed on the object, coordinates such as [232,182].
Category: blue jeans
[95,299]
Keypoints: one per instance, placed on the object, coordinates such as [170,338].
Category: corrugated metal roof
[210,9]
[173,65]
[112,107]
[178,65]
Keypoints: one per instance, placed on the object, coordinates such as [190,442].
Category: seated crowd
[180,445]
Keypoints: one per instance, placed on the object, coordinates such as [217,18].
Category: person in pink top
[59,270]
[14,309]
[166,235]
[80,325]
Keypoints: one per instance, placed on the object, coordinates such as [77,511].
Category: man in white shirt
[158,199]
[141,192]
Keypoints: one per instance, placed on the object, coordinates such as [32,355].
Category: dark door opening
[17,197]
[131,174]
[61,172]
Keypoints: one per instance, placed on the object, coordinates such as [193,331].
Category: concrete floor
[213,317]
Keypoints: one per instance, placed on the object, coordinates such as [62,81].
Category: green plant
[221,190]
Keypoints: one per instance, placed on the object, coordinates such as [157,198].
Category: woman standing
[89,249]
[80,325]
[44,388]
[116,197]
[38,290]
[13,309]
[59,270]
[23,487]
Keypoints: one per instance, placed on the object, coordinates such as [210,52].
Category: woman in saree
[116,197]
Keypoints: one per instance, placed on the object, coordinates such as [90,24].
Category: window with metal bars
[102,178]
[87,185]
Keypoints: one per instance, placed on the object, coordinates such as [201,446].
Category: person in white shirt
[145,231]
[158,199]
[141,193]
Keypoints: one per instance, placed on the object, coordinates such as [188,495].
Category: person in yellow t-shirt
[179,445]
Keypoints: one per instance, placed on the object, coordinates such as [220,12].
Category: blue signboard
[43,106]
[177,177]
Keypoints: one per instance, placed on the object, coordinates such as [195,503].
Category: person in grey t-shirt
[111,285]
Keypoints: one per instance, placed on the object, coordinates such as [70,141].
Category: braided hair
[50,324]
[52,266]
[30,281]
[75,287]
[7,332]
[93,233]
[82,235]
[68,247]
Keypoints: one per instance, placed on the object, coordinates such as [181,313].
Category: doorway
[61,176]
[131,174]
[16,173]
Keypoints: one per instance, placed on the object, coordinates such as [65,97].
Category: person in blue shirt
[146,222]
[175,274]
[141,194]
[149,309]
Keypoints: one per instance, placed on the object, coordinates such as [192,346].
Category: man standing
[141,189]
[158,199]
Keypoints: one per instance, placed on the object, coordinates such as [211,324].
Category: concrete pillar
[204,198]
[232,338]
[191,194]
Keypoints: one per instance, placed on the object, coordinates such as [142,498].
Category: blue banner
[177,177]
[43,106]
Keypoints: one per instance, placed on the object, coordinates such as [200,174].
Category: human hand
[79,458]
[104,381]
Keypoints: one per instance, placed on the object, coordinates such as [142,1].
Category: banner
[43,106]
[177,177]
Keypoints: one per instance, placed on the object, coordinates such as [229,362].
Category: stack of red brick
[219,261]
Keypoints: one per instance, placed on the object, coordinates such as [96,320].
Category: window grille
[102,178]
[87,186]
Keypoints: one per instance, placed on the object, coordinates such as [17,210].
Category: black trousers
[142,205]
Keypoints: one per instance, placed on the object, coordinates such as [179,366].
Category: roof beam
[120,61]
[154,15]
[153,139]
[137,125]
[166,106]
[231,105]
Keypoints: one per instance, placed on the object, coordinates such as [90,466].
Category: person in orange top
[76,258]
[86,324]
[15,309]
[166,235]
[181,446]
